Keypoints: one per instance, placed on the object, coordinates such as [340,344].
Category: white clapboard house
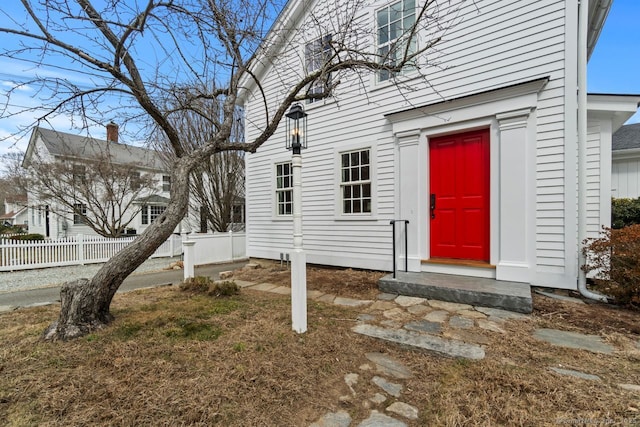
[492,150]
[53,221]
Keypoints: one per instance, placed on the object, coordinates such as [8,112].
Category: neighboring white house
[492,160]
[15,212]
[625,168]
[47,145]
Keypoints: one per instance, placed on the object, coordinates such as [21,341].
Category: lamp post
[296,140]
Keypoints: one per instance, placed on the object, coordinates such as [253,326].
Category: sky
[614,68]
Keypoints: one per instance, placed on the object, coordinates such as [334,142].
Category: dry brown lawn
[176,358]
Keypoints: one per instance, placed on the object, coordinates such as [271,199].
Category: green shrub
[614,260]
[204,285]
[29,237]
[625,212]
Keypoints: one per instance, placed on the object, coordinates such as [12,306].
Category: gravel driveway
[53,276]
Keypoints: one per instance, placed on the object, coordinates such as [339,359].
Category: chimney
[112,132]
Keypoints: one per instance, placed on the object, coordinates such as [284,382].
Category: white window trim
[373,174]
[272,196]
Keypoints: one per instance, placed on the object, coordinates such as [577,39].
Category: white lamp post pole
[296,140]
[298,257]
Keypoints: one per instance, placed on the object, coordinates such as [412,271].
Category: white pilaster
[189,259]
[410,186]
[517,212]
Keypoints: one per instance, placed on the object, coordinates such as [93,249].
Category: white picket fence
[218,247]
[78,250]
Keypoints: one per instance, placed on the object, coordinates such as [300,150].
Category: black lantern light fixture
[296,128]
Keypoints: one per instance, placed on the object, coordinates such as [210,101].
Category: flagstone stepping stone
[328,298]
[449,306]
[314,294]
[351,380]
[461,322]
[351,302]
[263,287]
[382,305]
[389,366]
[591,343]
[630,387]
[404,410]
[447,347]
[439,316]
[282,290]
[387,297]
[378,398]
[488,325]
[244,283]
[501,314]
[576,374]
[365,318]
[396,314]
[376,419]
[334,419]
[391,324]
[419,309]
[472,314]
[424,326]
[406,301]
[391,388]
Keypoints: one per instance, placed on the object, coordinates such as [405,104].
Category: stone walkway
[446,328]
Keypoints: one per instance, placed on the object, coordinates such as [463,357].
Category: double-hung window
[355,182]
[79,213]
[316,54]
[284,189]
[394,24]
[151,212]
[166,183]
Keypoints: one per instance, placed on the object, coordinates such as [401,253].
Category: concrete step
[511,296]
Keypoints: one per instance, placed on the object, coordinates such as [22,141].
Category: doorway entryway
[459,196]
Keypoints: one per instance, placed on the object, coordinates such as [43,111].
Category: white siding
[496,43]
[625,177]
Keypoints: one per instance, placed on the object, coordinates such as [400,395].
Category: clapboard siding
[496,43]
[625,178]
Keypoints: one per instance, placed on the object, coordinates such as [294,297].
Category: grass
[181,358]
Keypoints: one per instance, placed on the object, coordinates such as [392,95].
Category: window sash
[79,209]
[393,23]
[284,189]
[355,182]
[316,53]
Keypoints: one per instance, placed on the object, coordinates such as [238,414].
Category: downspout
[583,18]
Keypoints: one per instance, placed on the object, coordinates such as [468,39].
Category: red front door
[459,196]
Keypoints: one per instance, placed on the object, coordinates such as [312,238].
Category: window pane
[364,157]
[356,191]
[355,159]
[383,35]
[409,6]
[345,175]
[364,173]
[366,190]
[345,160]
[383,17]
[347,192]
[395,30]
[346,207]
[356,206]
[355,174]
[366,206]
[395,11]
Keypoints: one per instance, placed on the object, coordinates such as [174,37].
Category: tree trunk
[85,303]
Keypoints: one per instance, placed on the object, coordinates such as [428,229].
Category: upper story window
[134,180]
[394,23]
[79,213]
[316,55]
[79,174]
[355,181]
[166,183]
[284,189]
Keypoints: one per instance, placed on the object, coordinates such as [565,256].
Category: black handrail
[406,245]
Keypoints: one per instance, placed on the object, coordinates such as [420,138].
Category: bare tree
[147,52]
[216,183]
[96,192]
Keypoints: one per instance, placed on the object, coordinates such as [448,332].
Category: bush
[29,237]
[625,212]
[614,260]
[204,285]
